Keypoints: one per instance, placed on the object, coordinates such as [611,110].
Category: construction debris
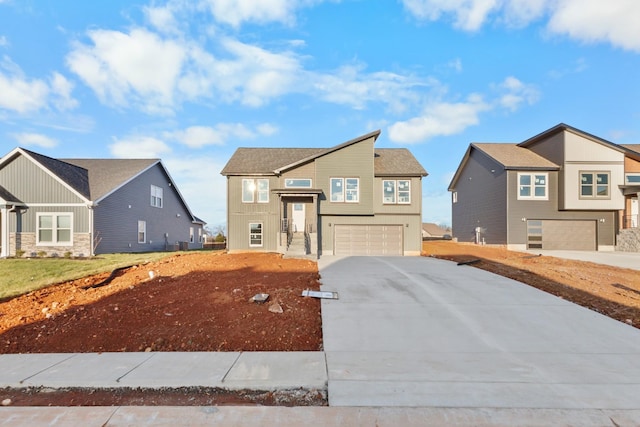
[259,298]
[473,261]
[320,294]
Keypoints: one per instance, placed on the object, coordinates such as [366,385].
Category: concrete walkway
[411,341]
[616,259]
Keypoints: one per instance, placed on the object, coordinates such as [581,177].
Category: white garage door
[573,235]
[368,240]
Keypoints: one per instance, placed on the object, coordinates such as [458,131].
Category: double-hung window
[345,190]
[396,191]
[55,229]
[594,185]
[156,196]
[255,190]
[533,186]
[142,231]
[255,234]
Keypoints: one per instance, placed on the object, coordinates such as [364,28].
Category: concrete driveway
[423,332]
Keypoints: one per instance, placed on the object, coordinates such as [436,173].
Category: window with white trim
[191,235]
[255,190]
[345,190]
[632,179]
[297,183]
[156,196]
[396,191]
[454,197]
[594,185]
[142,231]
[54,229]
[255,234]
[200,237]
[533,186]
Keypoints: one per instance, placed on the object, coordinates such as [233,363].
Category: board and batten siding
[29,183]
[481,200]
[116,216]
[308,170]
[354,161]
[242,214]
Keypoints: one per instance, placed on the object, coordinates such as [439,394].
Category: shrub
[68,254]
[19,253]
[42,254]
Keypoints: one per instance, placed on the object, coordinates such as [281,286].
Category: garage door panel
[368,239]
[564,235]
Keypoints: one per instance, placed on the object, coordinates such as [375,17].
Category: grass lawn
[21,275]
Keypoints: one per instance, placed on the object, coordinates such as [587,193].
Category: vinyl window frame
[55,228]
[344,190]
[595,186]
[142,231]
[157,195]
[399,196]
[257,189]
[256,235]
[533,185]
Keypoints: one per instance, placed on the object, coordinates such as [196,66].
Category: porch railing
[285,228]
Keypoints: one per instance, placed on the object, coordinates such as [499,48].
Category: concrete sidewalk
[267,371]
[616,259]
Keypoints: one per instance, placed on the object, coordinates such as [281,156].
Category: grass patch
[19,276]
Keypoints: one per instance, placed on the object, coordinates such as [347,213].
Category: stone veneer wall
[629,240]
[27,242]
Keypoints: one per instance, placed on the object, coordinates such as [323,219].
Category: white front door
[298,217]
[634,212]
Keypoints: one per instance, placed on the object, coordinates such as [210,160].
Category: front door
[634,212]
[298,217]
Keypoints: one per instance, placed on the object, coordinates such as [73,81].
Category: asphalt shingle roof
[396,162]
[76,177]
[511,156]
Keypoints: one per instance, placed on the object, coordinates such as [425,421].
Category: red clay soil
[612,291]
[188,302]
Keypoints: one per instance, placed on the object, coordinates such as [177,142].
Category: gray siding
[116,217]
[416,197]
[481,200]
[355,161]
[31,184]
[548,209]
[242,214]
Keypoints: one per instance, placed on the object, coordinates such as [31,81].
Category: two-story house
[82,207]
[561,189]
[350,199]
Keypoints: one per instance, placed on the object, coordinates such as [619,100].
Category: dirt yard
[611,291]
[188,302]
[201,302]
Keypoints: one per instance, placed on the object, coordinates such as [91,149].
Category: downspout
[90,207]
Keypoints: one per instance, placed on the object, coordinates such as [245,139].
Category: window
[55,229]
[396,191]
[532,186]
[454,197]
[255,189]
[142,231]
[255,234]
[594,185]
[156,196]
[345,190]
[297,183]
[191,234]
[200,239]
[632,178]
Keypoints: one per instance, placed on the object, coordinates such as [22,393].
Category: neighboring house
[561,189]
[84,207]
[346,200]
[433,231]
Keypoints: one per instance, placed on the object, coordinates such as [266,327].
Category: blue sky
[191,81]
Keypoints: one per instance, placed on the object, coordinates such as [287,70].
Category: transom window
[533,186]
[255,234]
[255,190]
[632,178]
[297,183]
[156,196]
[396,191]
[594,185]
[345,190]
[55,229]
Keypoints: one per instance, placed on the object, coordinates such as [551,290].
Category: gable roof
[433,229]
[275,161]
[73,176]
[107,175]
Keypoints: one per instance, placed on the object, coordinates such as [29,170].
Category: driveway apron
[416,331]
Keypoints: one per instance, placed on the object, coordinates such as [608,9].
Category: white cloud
[613,21]
[235,12]
[161,18]
[200,183]
[61,89]
[439,119]
[220,134]
[139,67]
[144,147]
[4,41]
[31,139]
[515,93]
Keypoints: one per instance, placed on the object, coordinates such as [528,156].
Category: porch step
[628,240]
[298,248]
